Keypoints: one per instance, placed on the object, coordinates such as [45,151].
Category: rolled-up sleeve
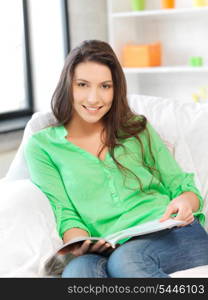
[45,175]
[175,180]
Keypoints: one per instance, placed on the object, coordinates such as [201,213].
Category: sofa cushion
[28,232]
[170,119]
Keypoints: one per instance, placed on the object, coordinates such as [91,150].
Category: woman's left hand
[182,208]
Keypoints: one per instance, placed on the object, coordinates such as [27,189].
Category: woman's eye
[106,86]
[81,84]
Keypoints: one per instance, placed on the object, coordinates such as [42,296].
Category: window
[17,101]
[15,72]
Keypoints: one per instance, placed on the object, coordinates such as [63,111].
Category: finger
[77,249]
[104,248]
[109,251]
[183,215]
[97,245]
[191,220]
[76,252]
[188,221]
[85,246]
[169,211]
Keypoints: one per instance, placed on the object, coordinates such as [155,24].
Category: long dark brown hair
[119,122]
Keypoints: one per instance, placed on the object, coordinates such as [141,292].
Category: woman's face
[92,91]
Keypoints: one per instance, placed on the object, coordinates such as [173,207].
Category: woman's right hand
[90,247]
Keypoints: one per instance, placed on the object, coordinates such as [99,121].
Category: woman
[105,169]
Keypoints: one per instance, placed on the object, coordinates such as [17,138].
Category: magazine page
[66,247]
[146,228]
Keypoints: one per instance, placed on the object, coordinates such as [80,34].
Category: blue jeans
[153,255]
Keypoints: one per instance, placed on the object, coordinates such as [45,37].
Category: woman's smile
[92,110]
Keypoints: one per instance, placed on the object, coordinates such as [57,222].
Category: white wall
[47,45]
[88,20]
[8,146]
[5,161]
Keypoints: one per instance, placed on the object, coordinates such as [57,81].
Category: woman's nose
[92,97]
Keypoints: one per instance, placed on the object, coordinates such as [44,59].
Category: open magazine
[113,239]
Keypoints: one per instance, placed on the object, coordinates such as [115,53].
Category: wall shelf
[182,32]
[162,12]
[172,69]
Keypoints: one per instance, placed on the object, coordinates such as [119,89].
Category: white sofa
[28,233]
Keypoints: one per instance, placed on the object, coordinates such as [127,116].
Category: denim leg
[161,253]
[133,260]
[86,266]
[188,248]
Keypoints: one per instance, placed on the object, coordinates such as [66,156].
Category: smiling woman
[81,164]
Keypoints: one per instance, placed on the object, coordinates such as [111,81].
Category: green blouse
[95,195]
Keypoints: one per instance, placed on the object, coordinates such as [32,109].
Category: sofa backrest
[185,126]
[18,168]
[182,126]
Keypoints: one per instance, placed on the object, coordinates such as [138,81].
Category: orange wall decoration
[138,56]
[168,4]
